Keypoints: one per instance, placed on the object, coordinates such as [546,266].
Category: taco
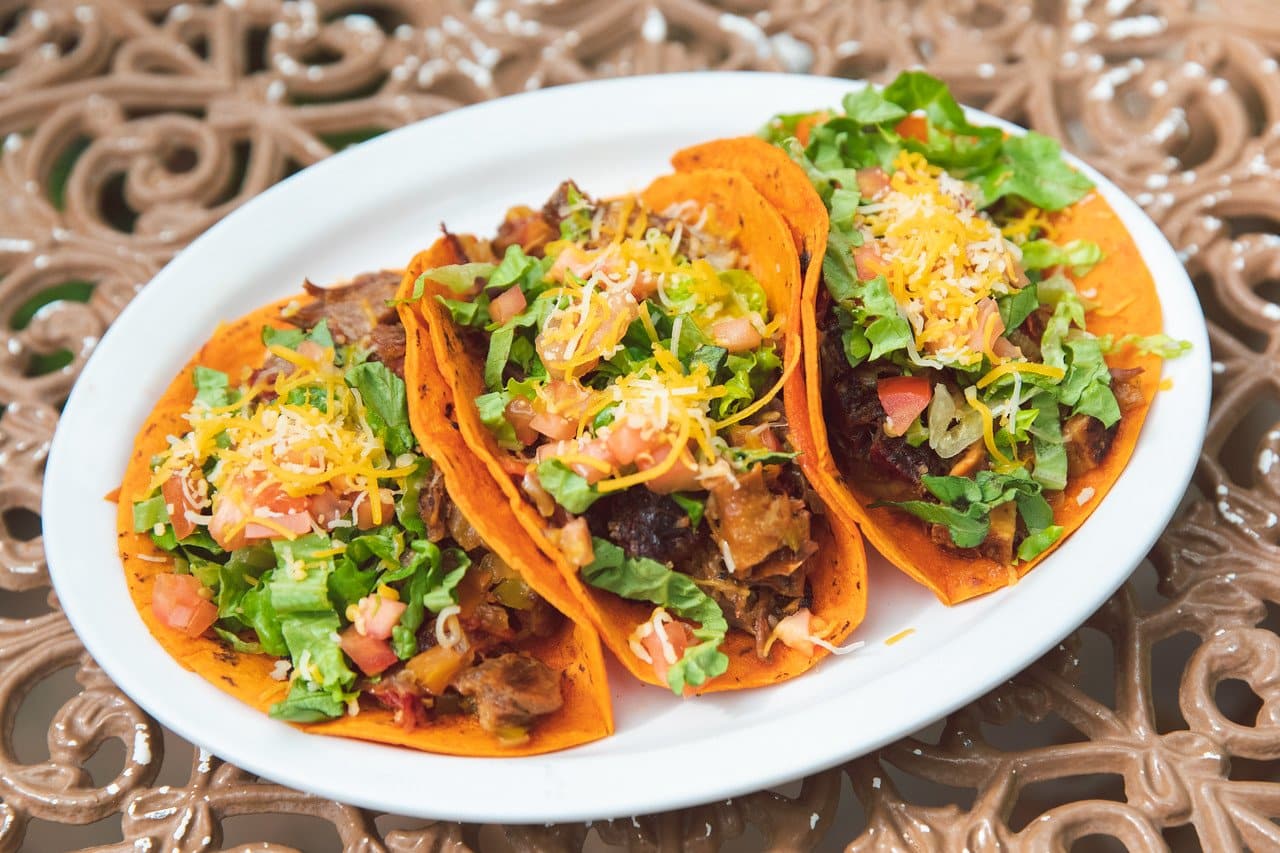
[983,343]
[619,366]
[285,537]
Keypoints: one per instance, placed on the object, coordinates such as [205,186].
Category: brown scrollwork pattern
[131,127]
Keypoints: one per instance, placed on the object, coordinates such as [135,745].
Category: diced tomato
[228,515]
[553,426]
[175,500]
[868,261]
[519,414]
[178,601]
[364,512]
[379,615]
[371,654]
[679,636]
[508,305]
[596,448]
[681,477]
[914,127]
[571,259]
[311,350]
[564,398]
[806,125]
[903,399]
[326,506]
[627,441]
[735,334]
[297,523]
[872,181]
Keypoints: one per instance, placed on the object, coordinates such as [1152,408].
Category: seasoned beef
[1086,441]
[487,624]
[387,341]
[401,695]
[352,309]
[753,522]
[855,424]
[644,524]
[526,228]
[433,503]
[557,207]
[510,691]
[1126,388]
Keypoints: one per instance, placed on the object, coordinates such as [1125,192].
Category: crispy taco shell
[575,650]
[837,580]
[1128,305]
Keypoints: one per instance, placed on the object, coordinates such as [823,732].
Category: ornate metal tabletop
[131,127]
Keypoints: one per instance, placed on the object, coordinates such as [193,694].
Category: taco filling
[302,521]
[633,368]
[961,382]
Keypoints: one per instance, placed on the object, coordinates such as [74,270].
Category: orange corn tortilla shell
[1123,285]
[575,650]
[785,186]
[837,581]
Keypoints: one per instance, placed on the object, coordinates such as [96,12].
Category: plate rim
[1152,245]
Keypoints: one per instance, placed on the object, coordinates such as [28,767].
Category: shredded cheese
[941,258]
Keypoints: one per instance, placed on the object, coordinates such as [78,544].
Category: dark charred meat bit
[510,691]
[753,522]
[1086,441]
[401,695]
[644,524]
[387,342]
[886,465]
[353,309]
[433,503]
[526,228]
[1125,386]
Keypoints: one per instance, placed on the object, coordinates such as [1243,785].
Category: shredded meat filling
[510,691]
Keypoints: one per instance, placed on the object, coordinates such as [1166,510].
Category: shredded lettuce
[749,375]
[213,387]
[1031,167]
[1018,306]
[386,405]
[492,408]
[695,508]
[643,579]
[467,313]
[1079,255]
[1159,345]
[569,488]
[459,278]
[965,503]
[292,338]
[423,571]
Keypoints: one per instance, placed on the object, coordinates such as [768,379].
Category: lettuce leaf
[1079,255]
[423,569]
[1031,167]
[493,414]
[749,374]
[643,579]
[570,489]
[307,705]
[386,405]
[467,313]
[459,278]
[213,387]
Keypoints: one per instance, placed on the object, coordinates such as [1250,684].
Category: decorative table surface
[131,127]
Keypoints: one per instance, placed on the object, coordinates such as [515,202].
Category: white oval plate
[374,206]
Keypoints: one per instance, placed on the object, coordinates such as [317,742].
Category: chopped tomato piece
[179,601]
[296,523]
[520,414]
[903,399]
[806,125]
[379,615]
[679,636]
[371,654]
[914,127]
[868,261]
[553,426]
[680,477]
[326,506]
[508,305]
[178,505]
[872,181]
[364,512]
[736,334]
[627,441]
